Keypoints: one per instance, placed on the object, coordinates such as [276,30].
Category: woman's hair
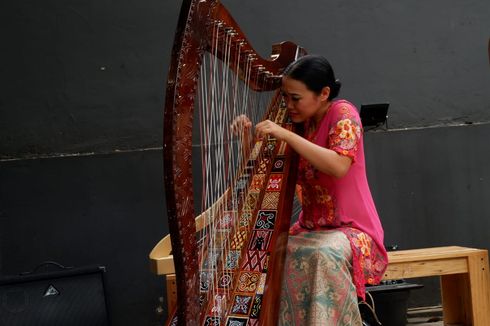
[315,72]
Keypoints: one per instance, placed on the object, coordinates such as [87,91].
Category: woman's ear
[325,92]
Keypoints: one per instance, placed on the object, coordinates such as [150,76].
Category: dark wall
[88,210]
[431,185]
[81,97]
[429,59]
[89,76]
[83,76]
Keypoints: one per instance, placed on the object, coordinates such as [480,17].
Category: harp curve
[196,34]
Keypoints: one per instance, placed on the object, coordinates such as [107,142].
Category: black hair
[316,73]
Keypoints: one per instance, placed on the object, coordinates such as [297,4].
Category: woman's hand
[268,127]
[242,128]
[241,124]
[323,159]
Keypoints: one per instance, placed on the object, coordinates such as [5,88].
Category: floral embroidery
[322,196]
[363,243]
[307,170]
[344,136]
[345,129]
[306,201]
[318,206]
[368,261]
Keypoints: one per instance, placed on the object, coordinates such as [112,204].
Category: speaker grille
[74,300]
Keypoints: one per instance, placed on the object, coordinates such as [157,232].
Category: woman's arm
[323,159]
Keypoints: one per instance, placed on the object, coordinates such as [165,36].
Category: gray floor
[425,316]
[423,322]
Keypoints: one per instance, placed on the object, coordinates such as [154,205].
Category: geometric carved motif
[251,283]
[257,182]
[278,165]
[256,307]
[211,321]
[232,259]
[260,240]
[274,183]
[219,303]
[255,261]
[251,200]
[263,166]
[282,148]
[269,147]
[225,280]
[265,220]
[270,200]
[226,221]
[248,281]
[236,321]
[256,150]
[261,286]
[238,239]
[242,304]
[204,281]
[281,114]
[242,184]
[245,218]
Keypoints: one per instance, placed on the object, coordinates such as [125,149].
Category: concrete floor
[423,322]
[425,316]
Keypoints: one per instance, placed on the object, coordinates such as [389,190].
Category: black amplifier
[65,297]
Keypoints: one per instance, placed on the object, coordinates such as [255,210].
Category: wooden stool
[465,280]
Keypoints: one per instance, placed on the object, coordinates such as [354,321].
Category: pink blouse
[345,203]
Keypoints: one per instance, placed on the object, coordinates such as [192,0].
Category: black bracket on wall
[374,116]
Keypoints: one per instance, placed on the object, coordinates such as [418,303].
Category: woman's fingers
[265,128]
[240,124]
[268,127]
[243,124]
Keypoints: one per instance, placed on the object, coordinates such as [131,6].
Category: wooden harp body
[227,261]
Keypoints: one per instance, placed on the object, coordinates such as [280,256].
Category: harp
[229,197]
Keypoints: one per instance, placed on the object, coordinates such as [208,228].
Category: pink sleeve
[345,130]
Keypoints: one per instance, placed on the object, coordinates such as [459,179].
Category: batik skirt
[325,273]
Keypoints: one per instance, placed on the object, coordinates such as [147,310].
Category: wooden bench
[464,274]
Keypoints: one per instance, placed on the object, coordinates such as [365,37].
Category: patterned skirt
[322,275]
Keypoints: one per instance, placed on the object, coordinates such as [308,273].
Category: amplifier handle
[44,264]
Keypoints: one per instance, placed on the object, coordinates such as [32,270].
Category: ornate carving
[193,38]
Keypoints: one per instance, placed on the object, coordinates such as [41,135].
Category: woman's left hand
[268,127]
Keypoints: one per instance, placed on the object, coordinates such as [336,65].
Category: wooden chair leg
[480,288]
[466,297]
[171,292]
[456,304]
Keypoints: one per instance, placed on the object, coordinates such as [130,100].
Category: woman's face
[303,104]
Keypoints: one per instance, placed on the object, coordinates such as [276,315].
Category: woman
[336,246]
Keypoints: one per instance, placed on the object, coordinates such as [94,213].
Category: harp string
[222,98]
